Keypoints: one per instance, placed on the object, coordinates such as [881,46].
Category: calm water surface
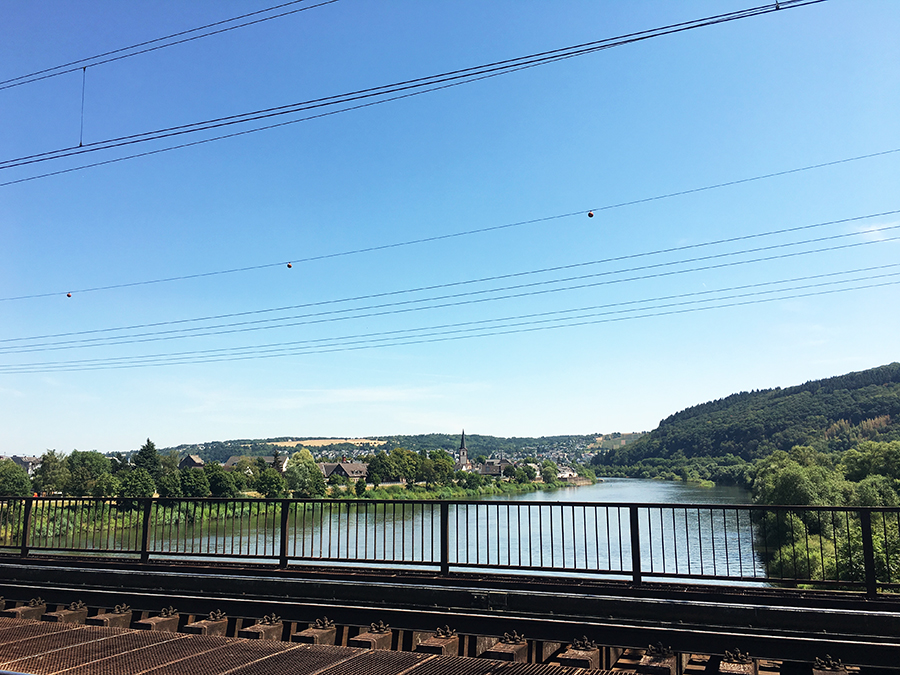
[640,491]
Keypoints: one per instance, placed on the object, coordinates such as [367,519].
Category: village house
[191,462]
[349,470]
[566,473]
[268,459]
[494,467]
[30,464]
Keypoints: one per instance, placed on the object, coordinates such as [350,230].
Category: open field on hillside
[322,442]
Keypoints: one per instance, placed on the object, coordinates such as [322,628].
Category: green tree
[84,469]
[14,481]
[118,462]
[170,485]
[427,473]
[245,472]
[194,483]
[382,469]
[405,463]
[360,487]
[549,471]
[443,466]
[872,458]
[509,471]
[875,490]
[338,479]
[271,484]
[52,475]
[782,479]
[148,459]
[303,476]
[106,485]
[168,462]
[221,482]
[137,483]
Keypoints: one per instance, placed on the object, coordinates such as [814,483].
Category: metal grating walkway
[41,648]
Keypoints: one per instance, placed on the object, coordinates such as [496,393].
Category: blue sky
[790,89]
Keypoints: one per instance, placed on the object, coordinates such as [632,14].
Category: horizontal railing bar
[166,502]
[736,543]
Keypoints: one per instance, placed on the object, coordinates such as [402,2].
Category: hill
[559,448]
[830,415]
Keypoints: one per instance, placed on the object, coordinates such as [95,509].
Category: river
[586,530]
[639,491]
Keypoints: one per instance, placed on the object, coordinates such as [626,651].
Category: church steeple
[463,463]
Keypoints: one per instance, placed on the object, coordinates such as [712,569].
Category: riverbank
[494,489]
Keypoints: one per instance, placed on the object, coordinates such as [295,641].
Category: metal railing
[819,546]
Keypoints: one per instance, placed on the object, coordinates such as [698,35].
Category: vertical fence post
[26,526]
[145,531]
[635,545]
[865,521]
[283,546]
[445,538]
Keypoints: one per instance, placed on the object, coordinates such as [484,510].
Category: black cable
[446,336]
[481,322]
[459,76]
[482,230]
[90,61]
[452,284]
[390,308]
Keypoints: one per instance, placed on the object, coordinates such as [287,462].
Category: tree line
[828,442]
[143,474]
[148,472]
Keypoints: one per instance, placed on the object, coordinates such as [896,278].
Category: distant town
[315,467]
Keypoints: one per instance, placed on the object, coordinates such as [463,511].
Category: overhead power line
[465,233]
[158,43]
[446,301]
[472,329]
[468,282]
[381,94]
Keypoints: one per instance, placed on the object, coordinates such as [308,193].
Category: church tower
[462,463]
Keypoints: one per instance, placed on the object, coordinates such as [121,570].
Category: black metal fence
[817,546]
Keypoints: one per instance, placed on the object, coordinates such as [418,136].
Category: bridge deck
[768,623]
[40,648]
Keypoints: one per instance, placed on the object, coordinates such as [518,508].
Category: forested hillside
[830,415]
[490,446]
[841,427]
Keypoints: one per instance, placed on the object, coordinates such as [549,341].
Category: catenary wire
[453,284]
[444,337]
[464,233]
[119,54]
[459,76]
[707,292]
[453,300]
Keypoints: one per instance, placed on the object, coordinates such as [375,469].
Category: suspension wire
[492,228]
[452,300]
[447,79]
[83,81]
[706,292]
[445,336]
[62,69]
